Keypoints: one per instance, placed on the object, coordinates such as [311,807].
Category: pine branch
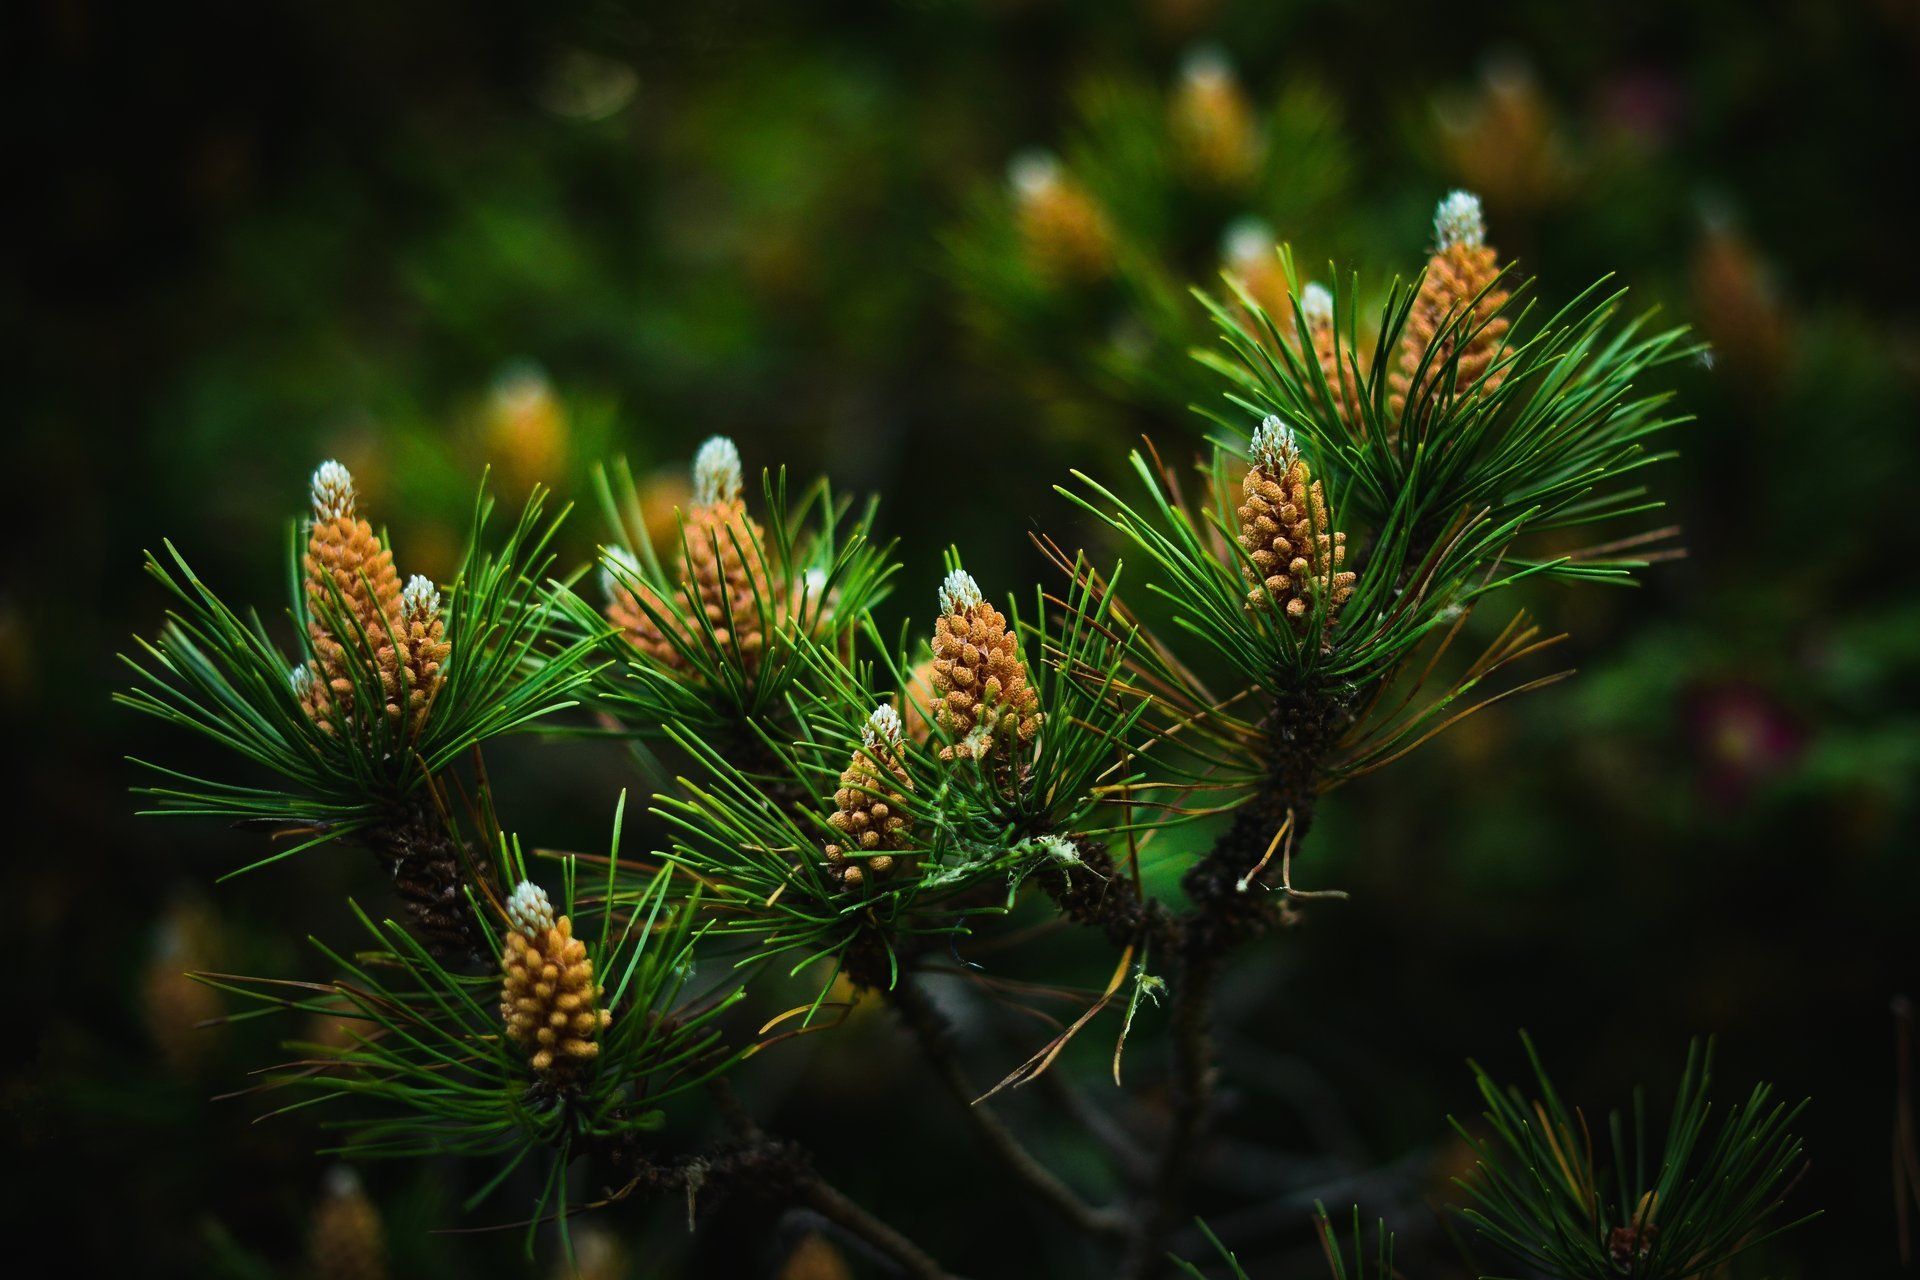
[1192,1091]
[931,1030]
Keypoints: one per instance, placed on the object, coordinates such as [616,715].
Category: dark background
[426,237]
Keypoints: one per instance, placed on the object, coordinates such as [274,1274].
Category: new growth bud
[332,491]
[419,600]
[1273,444]
[1316,304]
[1248,242]
[959,592]
[1206,66]
[549,1000]
[1067,237]
[716,472]
[529,910]
[1032,173]
[882,729]
[1459,222]
[617,568]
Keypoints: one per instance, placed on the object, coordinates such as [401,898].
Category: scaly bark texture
[1453,317]
[429,864]
[1287,532]
[870,815]
[982,698]
[548,998]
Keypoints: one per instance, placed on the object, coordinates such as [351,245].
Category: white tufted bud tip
[1205,66]
[332,491]
[1274,445]
[882,730]
[529,910]
[343,1183]
[1248,242]
[301,678]
[1316,304]
[1459,221]
[618,566]
[959,592]
[1033,173]
[419,600]
[716,472]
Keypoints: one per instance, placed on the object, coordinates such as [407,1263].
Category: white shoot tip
[529,910]
[1274,445]
[332,491]
[882,729]
[1205,65]
[1459,221]
[1249,241]
[618,566]
[716,472]
[419,599]
[1316,304]
[1032,173]
[959,592]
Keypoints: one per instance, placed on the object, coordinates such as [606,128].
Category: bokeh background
[426,238]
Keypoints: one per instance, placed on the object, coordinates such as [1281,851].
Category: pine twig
[930,1028]
[833,1205]
[821,1196]
[1192,1091]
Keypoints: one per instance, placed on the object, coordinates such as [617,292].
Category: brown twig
[1191,1088]
[754,1163]
[930,1029]
[1230,905]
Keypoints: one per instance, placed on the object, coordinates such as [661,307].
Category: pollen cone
[344,563]
[1067,236]
[1211,122]
[548,997]
[412,660]
[1457,300]
[869,817]
[729,577]
[982,698]
[1286,531]
[633,606]
[346,1240]
[725,577]
[1316,307]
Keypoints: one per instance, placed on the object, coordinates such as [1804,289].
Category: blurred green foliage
[430,238]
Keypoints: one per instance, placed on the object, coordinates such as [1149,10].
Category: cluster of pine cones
[368,633]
